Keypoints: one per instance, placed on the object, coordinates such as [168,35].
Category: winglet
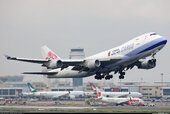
[130,101]
[7,57]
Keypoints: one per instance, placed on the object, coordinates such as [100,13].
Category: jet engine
[55,64]
[147,64]
[91,64]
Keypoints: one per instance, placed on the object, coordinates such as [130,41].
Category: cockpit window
[152,34]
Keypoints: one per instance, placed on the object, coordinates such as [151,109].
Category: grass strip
[84,110]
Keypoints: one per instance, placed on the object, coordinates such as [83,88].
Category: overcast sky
[95,25]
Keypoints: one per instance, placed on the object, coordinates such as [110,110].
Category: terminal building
[12,86]
[10,92]
[166,92]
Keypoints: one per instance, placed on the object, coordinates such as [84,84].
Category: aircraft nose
[164,40]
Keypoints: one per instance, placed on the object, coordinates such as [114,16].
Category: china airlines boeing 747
[117,60]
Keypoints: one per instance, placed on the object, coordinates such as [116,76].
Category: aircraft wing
[42,61]
[73,62]
[79,64]
[39,61]
[110,60]
[104,62]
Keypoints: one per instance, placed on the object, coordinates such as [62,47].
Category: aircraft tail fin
[32,89]
[93,87]
[130,101]
[97,90]
[48,54]
[99,94]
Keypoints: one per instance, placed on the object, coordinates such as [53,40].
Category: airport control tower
[77,53]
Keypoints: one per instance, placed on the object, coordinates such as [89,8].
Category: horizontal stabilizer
[41,73]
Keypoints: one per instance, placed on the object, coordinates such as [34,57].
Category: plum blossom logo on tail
[51,56]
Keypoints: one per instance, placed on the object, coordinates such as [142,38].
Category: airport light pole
[162,78]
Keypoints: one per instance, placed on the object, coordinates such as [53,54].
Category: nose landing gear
[100,76]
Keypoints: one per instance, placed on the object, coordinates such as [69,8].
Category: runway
[45,107]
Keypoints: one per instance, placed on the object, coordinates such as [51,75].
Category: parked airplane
[26,94]
[48,94]
[118,101]
[79,94]
[116,94]
[56,94]
[117,60]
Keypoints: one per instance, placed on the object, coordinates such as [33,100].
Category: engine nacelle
[91,64]
[72,97]
[147,64]
[55,64]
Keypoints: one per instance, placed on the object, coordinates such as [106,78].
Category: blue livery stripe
[154,46]
[146,47]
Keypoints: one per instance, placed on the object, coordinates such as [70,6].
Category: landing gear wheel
[111,76]
[99,76]
[102,76]
[96,77]
[121,77]
[108,77]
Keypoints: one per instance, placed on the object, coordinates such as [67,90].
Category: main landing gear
[100,76]
[108,77]
[121,75]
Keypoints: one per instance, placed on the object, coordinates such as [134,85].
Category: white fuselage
[122,100]
[131,51]
[80,94]
[52,94]
[56,94]
[121,94]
